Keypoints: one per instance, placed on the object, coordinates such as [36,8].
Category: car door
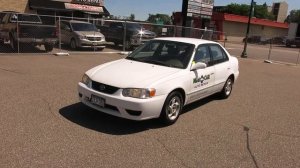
[202,80]
[221,65]
[1,25]
[65,32]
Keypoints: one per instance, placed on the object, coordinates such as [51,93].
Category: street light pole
[244,54]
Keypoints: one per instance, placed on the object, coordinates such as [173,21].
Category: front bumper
[120,106]
[84,43]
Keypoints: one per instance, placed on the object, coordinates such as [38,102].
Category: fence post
[175,31]
[297,63]
[59,33]
[270,49]
[18,30]
[225,40]
[124,37]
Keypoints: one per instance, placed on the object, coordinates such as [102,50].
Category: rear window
[25,18]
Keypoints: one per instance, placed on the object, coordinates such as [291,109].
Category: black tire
[116,44]
[12,43]
[100,49]
[227,89]
[73,44]
[128,46]
[172,108]
[48,47]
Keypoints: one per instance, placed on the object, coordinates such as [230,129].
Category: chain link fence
[264,47]
[26,33]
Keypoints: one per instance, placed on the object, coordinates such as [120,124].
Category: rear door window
[218,54]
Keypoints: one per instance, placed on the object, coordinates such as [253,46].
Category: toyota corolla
[159,78]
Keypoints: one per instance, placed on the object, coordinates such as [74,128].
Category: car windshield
[83,27]
[133,26]
[164,53]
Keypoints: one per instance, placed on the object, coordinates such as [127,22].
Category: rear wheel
[116,44]
[227,89]
[172,108]
[48,47]
[12,43]
[100,49]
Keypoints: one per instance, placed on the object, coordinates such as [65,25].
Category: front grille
[103,88]
[94,38]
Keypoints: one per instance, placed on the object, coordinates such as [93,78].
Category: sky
[142,8]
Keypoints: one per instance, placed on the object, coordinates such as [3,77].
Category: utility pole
[244,54]
[187,21]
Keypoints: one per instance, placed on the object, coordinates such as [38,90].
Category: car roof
[187,40]
[74,21]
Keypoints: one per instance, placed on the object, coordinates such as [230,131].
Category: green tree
[294,16]
[238,9]
[132,17]
[157,18]
[260,11]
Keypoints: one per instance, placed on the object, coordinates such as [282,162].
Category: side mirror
[68,29]
[198,65]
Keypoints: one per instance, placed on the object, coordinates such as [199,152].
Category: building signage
[200,7]
[86,8]
[89,2]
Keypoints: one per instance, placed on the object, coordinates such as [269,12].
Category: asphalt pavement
[42,123]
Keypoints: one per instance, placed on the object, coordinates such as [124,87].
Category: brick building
[15,5]
[235,26]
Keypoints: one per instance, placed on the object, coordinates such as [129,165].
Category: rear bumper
[38,40]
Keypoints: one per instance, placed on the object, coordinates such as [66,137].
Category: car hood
[90,33]
[130,74]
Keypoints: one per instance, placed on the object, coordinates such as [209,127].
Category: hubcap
[228,87]
[173,108]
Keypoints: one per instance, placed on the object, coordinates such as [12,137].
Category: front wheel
[227,89]
[172,108]
[48,47]
[73,44]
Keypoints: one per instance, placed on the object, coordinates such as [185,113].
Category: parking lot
[42,123]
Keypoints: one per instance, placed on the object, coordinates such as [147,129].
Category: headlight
[139,93]
[82,37]
[86,80]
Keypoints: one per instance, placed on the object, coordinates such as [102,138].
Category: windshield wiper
[132,58]
[156,62]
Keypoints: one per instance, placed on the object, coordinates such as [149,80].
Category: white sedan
[159,78]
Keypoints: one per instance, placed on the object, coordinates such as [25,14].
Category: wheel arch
[182,92]
[232,77]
